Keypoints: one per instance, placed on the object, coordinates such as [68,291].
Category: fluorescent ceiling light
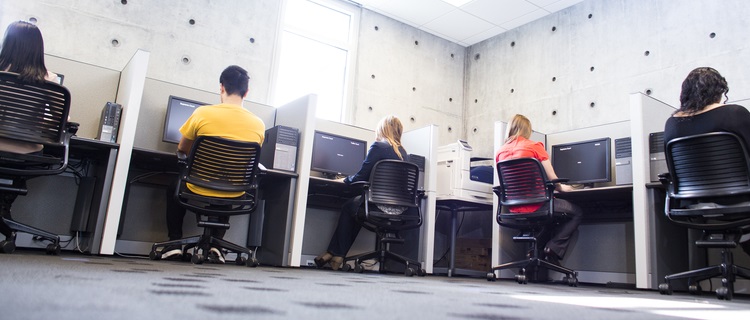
[457,3]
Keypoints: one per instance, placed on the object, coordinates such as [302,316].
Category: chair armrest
[665,179]
[181,158]
[421,194]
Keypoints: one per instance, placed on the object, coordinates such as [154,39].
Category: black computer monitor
[583,162]
[178,111]
[335,155]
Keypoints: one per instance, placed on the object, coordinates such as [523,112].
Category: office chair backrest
[33,112]
[708,165]
[523,181]
[223,164]
[394,182]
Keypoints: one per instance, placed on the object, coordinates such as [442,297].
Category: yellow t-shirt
[228,121]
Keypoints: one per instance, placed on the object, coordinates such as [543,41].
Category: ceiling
[470,22]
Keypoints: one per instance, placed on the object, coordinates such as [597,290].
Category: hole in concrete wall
[252,40]
[512,43]
[712,35]
[115,43]
[450,129]
[554,112]
[369,108]
[416,43]
[475,130]
[32,20]
[591,16]
[185,60]
[647,53]
[372,76]
[592,69]
[451,56]
[477,56]
[554,79]
[450,99]
[191,21]
[376,28]
[412,119]
[648,92]
[512,90]
[124,2]
[476,100]
[592,104]
[554,28]
[413,88]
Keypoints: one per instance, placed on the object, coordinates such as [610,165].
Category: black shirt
[379,150]
[729,118]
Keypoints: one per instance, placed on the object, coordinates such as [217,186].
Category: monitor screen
[337,155]
[178,111]
[583,162]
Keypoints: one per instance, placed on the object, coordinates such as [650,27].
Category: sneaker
[215,256]
[173,252]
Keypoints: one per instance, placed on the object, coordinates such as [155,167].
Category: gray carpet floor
[75,286]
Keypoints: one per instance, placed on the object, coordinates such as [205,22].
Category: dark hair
[235,80]
[702,87]
[23,52]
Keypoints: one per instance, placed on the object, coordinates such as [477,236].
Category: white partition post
[129,94]
[647,115]
[423,142]
[300,114]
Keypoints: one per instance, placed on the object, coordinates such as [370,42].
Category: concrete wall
[597,54]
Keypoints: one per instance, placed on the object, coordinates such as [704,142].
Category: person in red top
[518,145]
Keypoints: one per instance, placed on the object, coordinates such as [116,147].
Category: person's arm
[373,155]
[185,145]
[551,176]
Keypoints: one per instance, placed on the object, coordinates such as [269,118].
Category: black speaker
[279,150]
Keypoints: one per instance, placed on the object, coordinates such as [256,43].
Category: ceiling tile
[459,25]
[499,11]
[562,4]
[517,22]
[484,35]
[544,3]
[416,12]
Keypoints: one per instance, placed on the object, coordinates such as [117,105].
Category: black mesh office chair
[390,195]
[523,181]
[218,164]
[35,114]
[708,187]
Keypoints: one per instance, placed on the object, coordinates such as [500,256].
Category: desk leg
[454,222]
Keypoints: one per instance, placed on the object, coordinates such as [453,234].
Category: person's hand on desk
[564,188]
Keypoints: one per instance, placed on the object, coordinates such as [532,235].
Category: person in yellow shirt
[227,120]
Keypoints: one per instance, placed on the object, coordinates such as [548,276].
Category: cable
[129,256]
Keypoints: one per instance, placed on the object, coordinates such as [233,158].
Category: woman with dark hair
[701,111]
[23,52]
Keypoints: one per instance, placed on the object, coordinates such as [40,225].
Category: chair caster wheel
[359,268]
[346,267]
[694,289]
[723,293]
[421,272]
[53,249]
[252,262]
[409,272]
[153,255]
[571,281]
[197,258]
[241,261]
[491,276]
[521,279]
[665,288]
[7,246]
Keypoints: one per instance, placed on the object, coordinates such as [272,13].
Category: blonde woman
[518,145]
[387,145]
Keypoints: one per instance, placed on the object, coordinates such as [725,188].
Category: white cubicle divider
[299,114]
[648,115]
[503,248]
[423,142]
[129,94]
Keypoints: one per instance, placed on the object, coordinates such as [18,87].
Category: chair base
[533,265]
[202,244]
[412,267]
[727,270]
[9,227]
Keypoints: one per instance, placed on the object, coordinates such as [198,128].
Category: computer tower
[656,156]
[279,150]
[623,161]
[420,162]
[109,122]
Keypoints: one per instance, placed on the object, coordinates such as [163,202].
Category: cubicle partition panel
[423,142]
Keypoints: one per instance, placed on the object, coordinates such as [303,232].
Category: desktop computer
[420,162]
[109,122]
[657,158]
[279,150]
[623,161]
